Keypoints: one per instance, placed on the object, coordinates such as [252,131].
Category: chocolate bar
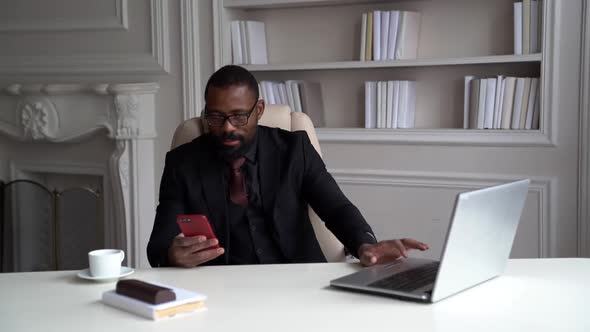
[144,291]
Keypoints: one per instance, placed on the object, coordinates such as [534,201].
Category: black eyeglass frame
[232,118]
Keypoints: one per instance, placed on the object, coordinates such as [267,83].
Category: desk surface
[533,295]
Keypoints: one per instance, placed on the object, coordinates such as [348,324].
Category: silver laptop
[477,246]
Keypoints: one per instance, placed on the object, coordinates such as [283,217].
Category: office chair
[277,116]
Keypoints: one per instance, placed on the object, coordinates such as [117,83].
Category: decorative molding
[133,116]
[157,61]
[124,113]
[79,88]
[38,118]
[191,69]
[160,34]
[124,171]
[584,140]
[219,31]
[121,197]
[134,195]
[462,137]
[80,64]
[541,186]
[127,107]
[119,22]
[550,70]
[128,88]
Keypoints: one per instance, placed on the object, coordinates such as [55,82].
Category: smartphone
[195,224]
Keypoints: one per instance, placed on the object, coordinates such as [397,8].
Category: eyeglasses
[236,120]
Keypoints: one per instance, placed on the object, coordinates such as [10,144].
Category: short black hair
[232,75]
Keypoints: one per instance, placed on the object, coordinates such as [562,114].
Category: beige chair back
[277,116]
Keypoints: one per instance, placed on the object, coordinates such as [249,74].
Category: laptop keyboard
[409,280]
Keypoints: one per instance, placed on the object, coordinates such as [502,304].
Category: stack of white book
[301,96]
[389,35]
[390,104]
[501,103]
[186,302]
[527,26]
[248,43]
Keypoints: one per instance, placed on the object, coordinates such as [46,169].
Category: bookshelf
[397,63]
[318,40]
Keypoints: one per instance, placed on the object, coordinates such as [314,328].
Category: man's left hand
[388,251]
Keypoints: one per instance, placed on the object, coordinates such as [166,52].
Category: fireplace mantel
[125,113]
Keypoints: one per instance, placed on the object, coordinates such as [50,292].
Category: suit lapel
[269,170]
[211,177]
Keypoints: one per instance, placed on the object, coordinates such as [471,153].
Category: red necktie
[237,184]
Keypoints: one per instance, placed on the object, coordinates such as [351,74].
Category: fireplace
[50,221]
[68,120]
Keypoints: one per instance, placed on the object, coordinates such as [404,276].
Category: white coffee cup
[105,262]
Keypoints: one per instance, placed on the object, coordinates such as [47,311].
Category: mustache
[231,137]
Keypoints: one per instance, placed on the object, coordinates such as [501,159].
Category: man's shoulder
[282,136]
[190,149]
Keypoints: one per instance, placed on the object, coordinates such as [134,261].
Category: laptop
[477,247]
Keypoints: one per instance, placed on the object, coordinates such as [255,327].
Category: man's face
[232,139]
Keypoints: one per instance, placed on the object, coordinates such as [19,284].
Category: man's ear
[260,109]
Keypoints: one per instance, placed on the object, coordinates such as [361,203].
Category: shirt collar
[252,151]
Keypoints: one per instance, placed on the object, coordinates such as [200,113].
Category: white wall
[414,196]
[114,54]
[584,169]
[3,161]
[550,216]
[408,189]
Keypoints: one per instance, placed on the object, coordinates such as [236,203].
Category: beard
[229,153]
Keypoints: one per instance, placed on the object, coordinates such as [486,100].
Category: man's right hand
[192,251]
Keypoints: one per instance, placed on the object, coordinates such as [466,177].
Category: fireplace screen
[44,228]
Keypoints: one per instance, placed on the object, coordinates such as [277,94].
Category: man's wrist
[365,238]
[360,249]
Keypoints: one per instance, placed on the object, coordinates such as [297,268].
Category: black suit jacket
[292,175]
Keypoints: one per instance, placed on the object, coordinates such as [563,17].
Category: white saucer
[125,271]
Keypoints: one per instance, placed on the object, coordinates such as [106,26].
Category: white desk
[533,295]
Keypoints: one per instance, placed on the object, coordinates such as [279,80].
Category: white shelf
[260,4]
[463,137]
[299,36]
[493,59]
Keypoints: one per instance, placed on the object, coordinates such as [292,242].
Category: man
[254,184]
